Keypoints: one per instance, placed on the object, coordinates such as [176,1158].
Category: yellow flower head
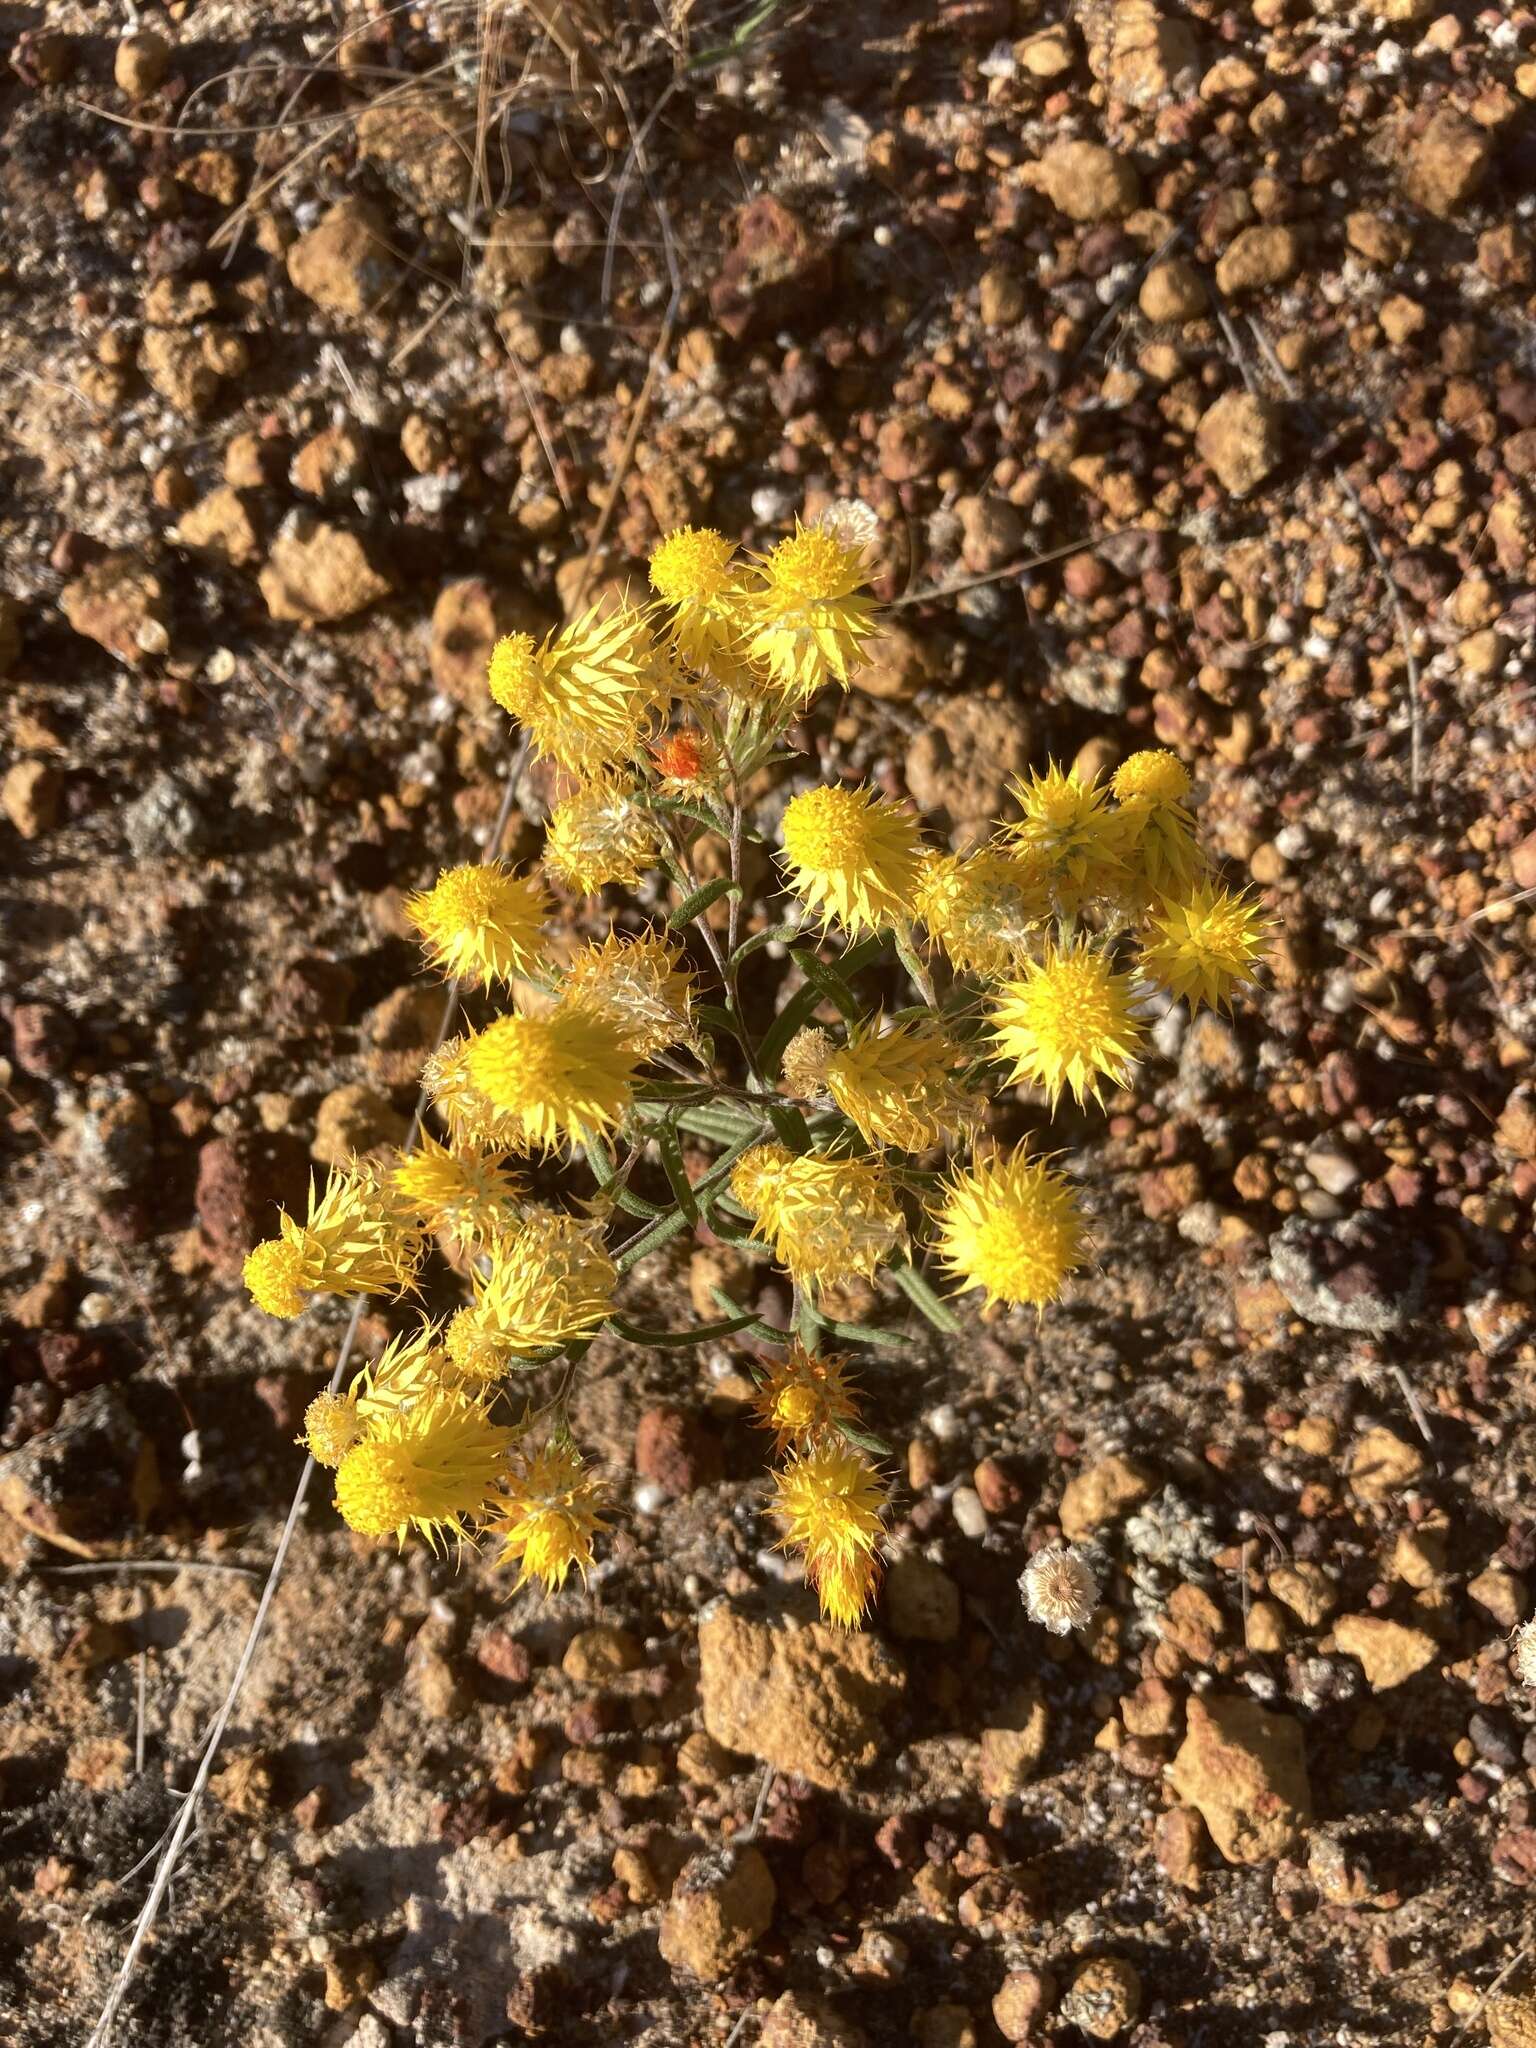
[471,1117]
[431,1467]
[1152,788]
[1203,948]
[1011,1226]
[695,575]
[358,1238]
[602,833]
[1154,776]
[549,1281]
[481,922]
[1066,820]
[829,1220]
[465,1192]
[830,1501]
[563,1075]
[803,1069]
[811,618]
[983,907]
[1068,1021]
[640,984]
[409,1366]
[845,1586]
[804,1398]
[900,1087]
[756,1173]
[332,1425]
[588,693]
[548,1515]
[853,858]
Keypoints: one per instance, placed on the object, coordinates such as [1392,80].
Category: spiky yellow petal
[548,1281]
[411,1364]
[1011,1226]
[465,1191]
[1083,842]
[588,693]
[811,618]
[1207,946]
[1068,1021]
[548,1516]
[829,1220]
[804,1398]
[480,922]
[564,1075]
[830,1501]
[471,1117]
[431,1467]
[358,1238]
[639,983]
[332,1426]
[853,858]
[901,1086]
[983,908]
[602,833]
[695,575]
[1161,851]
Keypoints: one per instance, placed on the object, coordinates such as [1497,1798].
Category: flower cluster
[612,1087]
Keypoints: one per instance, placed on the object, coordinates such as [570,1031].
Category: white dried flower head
[851,521]
[1523,1653]
[1060,1592]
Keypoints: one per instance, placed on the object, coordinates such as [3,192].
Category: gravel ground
[324,352]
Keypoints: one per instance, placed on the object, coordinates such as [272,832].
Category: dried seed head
[1060,1592]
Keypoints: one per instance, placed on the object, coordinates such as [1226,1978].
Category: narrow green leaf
[829,981]
[651,1239]
[609,1181]
[862,1333]
[780,934]
[677,1340]
[684,807]
[923,1298]
[695,905]
[789,1124]
[677,1173]
[866,1441]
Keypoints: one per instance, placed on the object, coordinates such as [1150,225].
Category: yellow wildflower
[900,1087]
[564,1075]
[466,1192]
[853,858]
[602,833]
[481,922]
[1068,1021]
[1012,1227]
[548,1517]
[1204,947]
[410,1365]
[469,1114]
[1065,819]
[804,1398]
[431,1467]
[829,1220]
[984,907]
[830,1501]
[811,619]
[590,691]
[332,1425]
[356,1239]
[1151,788]
[695,575]
[756,1173]
[641,984]
[548,1281]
